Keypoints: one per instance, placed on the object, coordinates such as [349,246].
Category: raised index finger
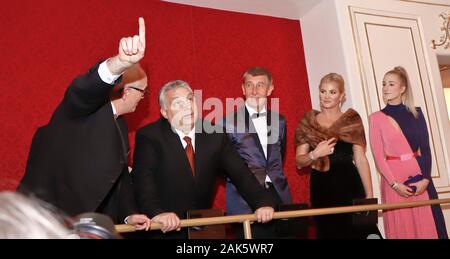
[142,30]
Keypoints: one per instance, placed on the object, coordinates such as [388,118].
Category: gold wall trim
[358,51]
[425,3]
[370,52]
[418,69]
[386,16]
[444,40]
[360,64]
[371,62]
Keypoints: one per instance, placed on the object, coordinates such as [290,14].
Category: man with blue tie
[259,136]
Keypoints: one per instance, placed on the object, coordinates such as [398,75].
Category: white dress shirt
[191,135]
[260,124]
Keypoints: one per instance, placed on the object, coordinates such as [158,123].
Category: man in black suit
[78,161]
[176,163]
[259,135]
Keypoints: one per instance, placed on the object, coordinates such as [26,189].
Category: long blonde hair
[407,96]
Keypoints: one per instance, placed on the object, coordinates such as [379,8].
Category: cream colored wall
[362,39]
[323,49]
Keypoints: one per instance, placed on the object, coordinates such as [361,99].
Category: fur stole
[348,128]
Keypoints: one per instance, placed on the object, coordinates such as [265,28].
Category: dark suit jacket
[78,161]
[163,179]
[244,137]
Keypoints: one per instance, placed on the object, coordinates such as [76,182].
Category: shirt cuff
[106,75]
[126,220]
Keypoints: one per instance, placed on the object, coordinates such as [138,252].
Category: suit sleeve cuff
[106,75]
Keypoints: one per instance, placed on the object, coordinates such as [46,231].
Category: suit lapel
[122,130]
[200,149]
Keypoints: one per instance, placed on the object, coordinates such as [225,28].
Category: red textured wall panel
[44,44]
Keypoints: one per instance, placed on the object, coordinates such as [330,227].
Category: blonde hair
[407,96]
[27,218]
[335,78]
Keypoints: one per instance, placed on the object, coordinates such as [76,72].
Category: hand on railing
[287,214]
[139,221]
[264,214]
[168,220]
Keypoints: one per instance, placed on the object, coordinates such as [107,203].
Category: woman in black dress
[333,143]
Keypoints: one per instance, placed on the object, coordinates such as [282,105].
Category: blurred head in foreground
[29,218]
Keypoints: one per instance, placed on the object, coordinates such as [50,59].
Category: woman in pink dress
[399,141]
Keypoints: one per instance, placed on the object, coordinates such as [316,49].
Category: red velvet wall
[44,44]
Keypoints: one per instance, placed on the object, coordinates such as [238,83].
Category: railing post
[247,230]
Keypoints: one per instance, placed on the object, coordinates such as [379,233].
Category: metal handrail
[246,218]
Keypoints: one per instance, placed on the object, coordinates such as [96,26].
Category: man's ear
[163,113]
[271,87]
[125,92]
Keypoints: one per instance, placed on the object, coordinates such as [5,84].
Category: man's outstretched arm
[90,91]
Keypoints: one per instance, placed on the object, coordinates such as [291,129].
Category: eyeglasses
[142,91]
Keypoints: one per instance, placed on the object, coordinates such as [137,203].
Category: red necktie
[190,153]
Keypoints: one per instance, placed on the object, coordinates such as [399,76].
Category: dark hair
[257,71]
